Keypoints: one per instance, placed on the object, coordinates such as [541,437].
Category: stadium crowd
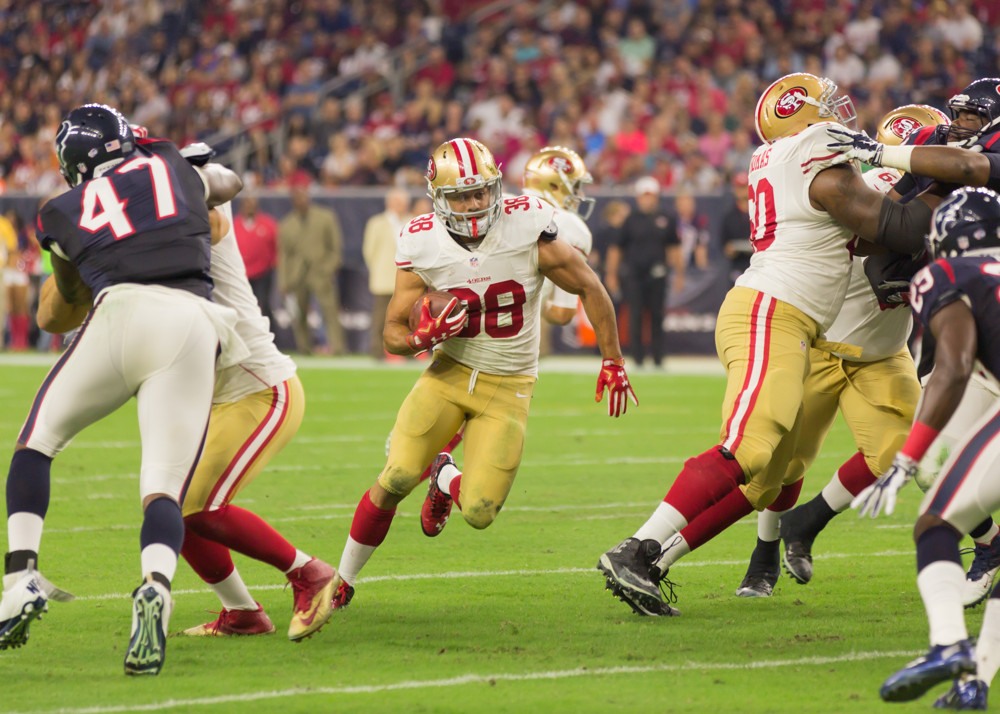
[358,93]
[656,87]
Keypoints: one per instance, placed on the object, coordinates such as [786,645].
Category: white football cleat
[23,602]
[151,606]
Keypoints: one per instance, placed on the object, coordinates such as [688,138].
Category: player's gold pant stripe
[760,343]
[243,436]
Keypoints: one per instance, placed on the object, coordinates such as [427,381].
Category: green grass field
[511,619]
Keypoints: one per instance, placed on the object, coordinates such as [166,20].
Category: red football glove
[614,378]
[433,330]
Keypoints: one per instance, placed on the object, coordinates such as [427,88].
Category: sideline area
[673,366]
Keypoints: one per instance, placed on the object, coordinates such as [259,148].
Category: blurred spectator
[8,261]
[638,259]
[22,263]
[692,231]
[379,250]
[310,252]
[257,238]
[735,234]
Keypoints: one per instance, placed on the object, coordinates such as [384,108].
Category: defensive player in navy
[956,298]
[492,253]
[132,235]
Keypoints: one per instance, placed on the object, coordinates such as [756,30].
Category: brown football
[439,299]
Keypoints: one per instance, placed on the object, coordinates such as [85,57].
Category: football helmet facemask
[798,100]
[558,175]
[983,98]
[902,121]
[966,222]
[92,139]
[457,167]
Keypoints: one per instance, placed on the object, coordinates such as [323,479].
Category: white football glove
[881,495]
[855,145]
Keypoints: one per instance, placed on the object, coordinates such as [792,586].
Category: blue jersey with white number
[144,222]
[974,280]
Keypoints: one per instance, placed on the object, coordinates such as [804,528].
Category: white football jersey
[266,366]
[861,322]
[499,282]
[800,253]
[574,231]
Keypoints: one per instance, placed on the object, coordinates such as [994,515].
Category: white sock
[941,584]
[24,531]
[445,476]
[767,525]
[159,558]
[355,557]
[836,496]
[672,551]
[665,521]
[988,646]
[300,560]
[233,592]
[984,539]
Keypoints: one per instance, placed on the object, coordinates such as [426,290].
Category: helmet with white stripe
[460,168]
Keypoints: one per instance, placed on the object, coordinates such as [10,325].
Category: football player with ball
[490,254]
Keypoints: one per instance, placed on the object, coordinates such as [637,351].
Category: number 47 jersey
[499,282]
[145,221]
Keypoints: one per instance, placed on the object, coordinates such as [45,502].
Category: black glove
[889,275]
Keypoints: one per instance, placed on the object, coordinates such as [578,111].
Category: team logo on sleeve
[903,126]
[790,102]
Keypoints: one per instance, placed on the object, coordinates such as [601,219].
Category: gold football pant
[764,345]
[877,399]
[243,436]
[495,409]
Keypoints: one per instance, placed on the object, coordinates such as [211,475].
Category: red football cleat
[312,586]
[437,506]
[342,597]
[235,622]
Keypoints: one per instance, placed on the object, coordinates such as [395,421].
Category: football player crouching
[492,254]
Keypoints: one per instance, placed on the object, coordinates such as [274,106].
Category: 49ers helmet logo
[432,169]
[790,102]
[561,163]
[904,126]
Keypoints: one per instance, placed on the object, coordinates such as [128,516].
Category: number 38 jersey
[974,280]
[499,282]
[800,253]
[145,221]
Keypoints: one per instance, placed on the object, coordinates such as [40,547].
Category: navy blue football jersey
[973,280]
[144,222]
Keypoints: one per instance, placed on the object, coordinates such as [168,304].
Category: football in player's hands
[439,299]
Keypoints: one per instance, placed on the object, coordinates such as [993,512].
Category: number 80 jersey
[800,253]
[499,282]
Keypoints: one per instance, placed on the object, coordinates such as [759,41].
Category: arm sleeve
[901,227]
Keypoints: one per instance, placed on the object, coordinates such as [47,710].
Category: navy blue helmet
[967,220]
[92,139]
[983,98]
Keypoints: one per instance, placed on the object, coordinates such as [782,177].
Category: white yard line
[520,573]
[490,679]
